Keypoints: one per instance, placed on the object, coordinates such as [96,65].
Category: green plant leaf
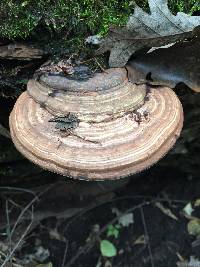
[110,227]
[114,232]
[107,249]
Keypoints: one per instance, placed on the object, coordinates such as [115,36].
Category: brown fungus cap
[95,99]
[97,151]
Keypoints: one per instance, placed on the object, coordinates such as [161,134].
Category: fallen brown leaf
[170,66]
[144,30]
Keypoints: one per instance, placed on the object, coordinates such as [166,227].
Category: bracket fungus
[104,127]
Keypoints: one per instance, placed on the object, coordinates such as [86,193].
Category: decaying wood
[19,51]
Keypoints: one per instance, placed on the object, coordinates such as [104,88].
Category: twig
[15,204]
[119,199]
[89,246]
[9,188]
[147,236]
[19,242]
[65,253]
[100,65]
[8,228]
[28,206]
[113,221]
[87,60]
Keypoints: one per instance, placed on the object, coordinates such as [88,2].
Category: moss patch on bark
[22,18]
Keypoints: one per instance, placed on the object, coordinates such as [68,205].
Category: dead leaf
[166,211]
[144,30]
[194,227]
[41,254]
[192,263]
[169,66]
[188,209]
[124,220]
[140,240]
[180,257]
[20,51]
[54,234]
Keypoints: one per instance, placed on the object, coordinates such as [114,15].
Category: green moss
[61,24]
[188,6]
[20,18]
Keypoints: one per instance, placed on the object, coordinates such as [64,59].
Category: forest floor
[152,218]
[66,230]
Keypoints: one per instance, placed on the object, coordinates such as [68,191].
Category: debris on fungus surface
[102,127]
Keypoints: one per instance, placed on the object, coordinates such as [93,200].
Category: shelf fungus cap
[94,99]
[109,149]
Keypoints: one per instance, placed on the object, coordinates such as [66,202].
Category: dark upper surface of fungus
[95,99]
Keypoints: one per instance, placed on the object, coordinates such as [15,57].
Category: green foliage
[188,6]
[20,18]
[113,230]
[107,249]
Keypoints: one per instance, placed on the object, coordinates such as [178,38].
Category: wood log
[19,51]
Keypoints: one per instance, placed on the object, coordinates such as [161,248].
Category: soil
[163,239]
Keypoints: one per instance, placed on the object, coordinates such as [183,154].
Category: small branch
[100,66]
[147,236]
[21,51]
[28,206]
[65,253]
[9,188]
[19,242]
[8,228]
